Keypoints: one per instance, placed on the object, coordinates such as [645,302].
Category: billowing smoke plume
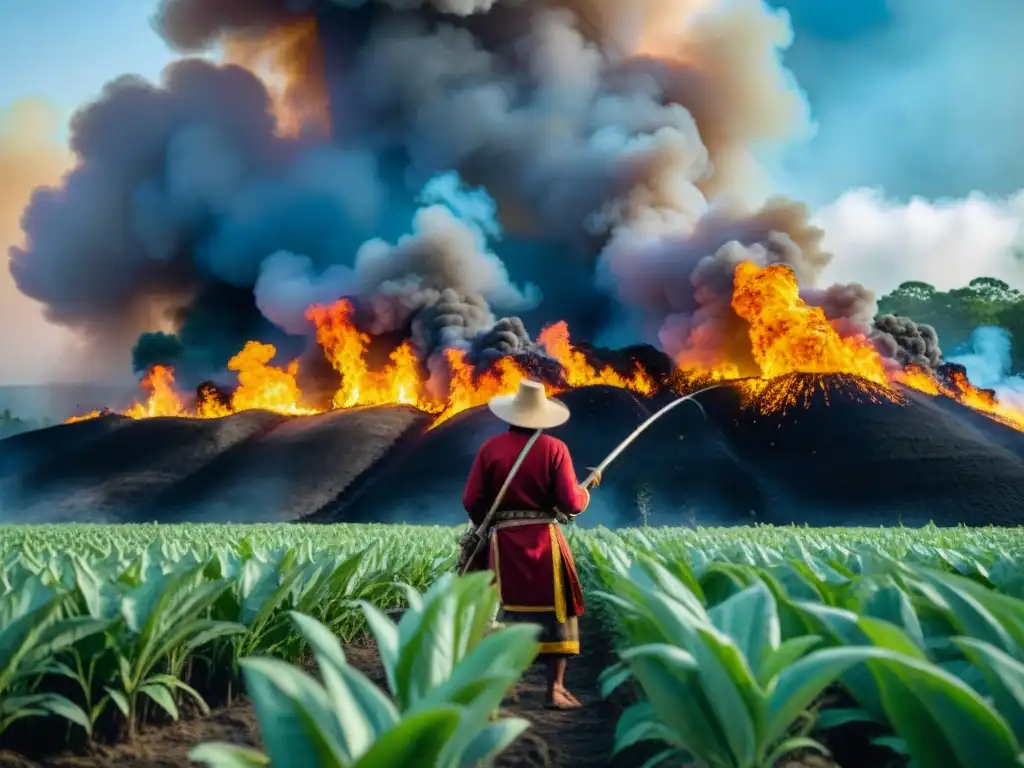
[614,142]
[907,342]
[988,365]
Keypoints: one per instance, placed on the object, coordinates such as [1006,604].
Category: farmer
[530,557]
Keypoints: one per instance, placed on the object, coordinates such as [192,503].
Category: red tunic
[533,563]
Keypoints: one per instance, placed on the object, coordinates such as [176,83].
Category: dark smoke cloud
[684,281]
[185,199]
[194,25]
[178,192]
[907,342]
[602,143]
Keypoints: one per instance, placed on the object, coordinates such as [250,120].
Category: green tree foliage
[956,313]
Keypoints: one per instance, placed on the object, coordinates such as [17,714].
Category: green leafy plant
[721,686]
[33,629]
[446,674]
[164,613]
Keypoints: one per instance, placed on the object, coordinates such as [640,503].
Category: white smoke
[882,243]
[988,365]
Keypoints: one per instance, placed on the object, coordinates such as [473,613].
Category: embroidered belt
[514,518]
[524,514]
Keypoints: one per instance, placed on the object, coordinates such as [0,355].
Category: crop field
[307,646]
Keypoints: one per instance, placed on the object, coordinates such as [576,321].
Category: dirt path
[580,738]
[577,739]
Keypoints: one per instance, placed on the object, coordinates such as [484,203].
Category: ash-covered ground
[835,459]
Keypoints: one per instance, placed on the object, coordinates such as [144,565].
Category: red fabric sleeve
[475,497]
[571,498]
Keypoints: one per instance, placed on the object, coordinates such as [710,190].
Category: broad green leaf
[612,678]
[787,653]
[944,723]
[493,739]
[668,676]
[802,682]
[416,740]
[972,618]
[297,724]
[362,711]
[640,723]
[835,717]
[892,604]
[120,700]
[789,746]
[51,703]
[162,697]
[731,689]
[750,618]
[509,651]
[1005,678]
[172,682]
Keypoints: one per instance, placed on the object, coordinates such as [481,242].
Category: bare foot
[562,699]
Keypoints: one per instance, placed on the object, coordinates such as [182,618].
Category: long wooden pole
[600,468]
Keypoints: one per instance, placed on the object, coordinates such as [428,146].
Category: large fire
[264,386]
[786,335]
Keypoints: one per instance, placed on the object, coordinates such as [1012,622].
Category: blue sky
[64,51]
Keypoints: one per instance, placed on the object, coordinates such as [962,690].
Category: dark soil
[252,467]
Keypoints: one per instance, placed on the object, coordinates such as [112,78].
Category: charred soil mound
[840,457]
[833,458]
[423,481]
[251,467]
[678,469]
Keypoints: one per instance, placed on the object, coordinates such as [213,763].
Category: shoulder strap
[508,481]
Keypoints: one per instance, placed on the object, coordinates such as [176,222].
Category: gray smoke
[907,342]
[685,281]
[607,144]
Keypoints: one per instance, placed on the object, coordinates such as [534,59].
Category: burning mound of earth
[809,425]
[846,453]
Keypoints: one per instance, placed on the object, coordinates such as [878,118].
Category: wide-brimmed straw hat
[529,408]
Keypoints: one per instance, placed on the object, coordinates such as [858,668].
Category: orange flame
[262,386]
[917,378]
[579,373]
[960,389]
[400,382]
[83,417]
[345,348]
[466,391]
[788,336]
[163,400]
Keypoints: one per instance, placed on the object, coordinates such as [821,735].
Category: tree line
[955,314]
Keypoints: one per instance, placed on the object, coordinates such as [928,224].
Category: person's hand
[595,474]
